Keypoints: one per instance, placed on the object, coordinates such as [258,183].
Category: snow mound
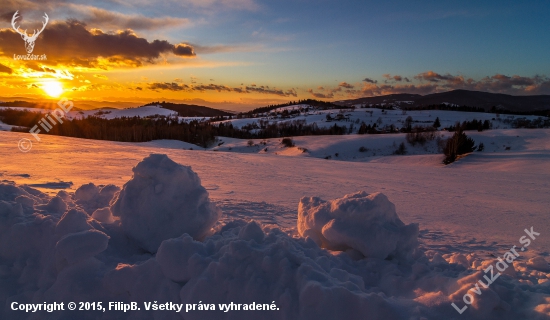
[362,222]
[241,263]
[164,200]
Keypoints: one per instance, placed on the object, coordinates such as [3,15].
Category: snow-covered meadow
[388,237]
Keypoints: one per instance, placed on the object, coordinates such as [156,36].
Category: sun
[52,88]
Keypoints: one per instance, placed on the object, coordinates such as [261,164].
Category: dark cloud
[436,77]
[213,87]
[319,95]
[499,83]
[221,88]
[7,16]
[370,89]
[182,49]
[346,85]
[5,69]
[267,90]
[71,43]
[369,80]
[167,86]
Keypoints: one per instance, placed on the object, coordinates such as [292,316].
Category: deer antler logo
[29,41]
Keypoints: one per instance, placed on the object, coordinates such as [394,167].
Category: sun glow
[52,88]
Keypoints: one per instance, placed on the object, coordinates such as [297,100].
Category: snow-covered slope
[468,213]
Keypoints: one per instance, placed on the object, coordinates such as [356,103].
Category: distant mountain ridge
[485,100]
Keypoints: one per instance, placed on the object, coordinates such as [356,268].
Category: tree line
[140,129]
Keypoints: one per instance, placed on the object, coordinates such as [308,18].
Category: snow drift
[68,248]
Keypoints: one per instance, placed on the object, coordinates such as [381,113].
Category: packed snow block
[79,246]
[359,221]
[164,200]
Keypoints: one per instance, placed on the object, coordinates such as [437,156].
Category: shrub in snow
[163,200]
[401,150]
[419,136]
[359,221]
[481,147]
[288,142]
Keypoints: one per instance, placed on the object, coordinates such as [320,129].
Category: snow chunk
[164,200]
[91,197]
[359,221]
[72,221]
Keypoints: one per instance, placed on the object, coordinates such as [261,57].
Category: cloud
[167,86]
[369,80]
[319,95]
[7,16]
[71,43]
[432,82]
[346,85]
[396,78]
[436,77]
[221,88]
[267,90]
[5,69]
[116,20]
[106,19]
[210,6]
[498,83]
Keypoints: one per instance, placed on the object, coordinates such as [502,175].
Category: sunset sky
[239,54]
